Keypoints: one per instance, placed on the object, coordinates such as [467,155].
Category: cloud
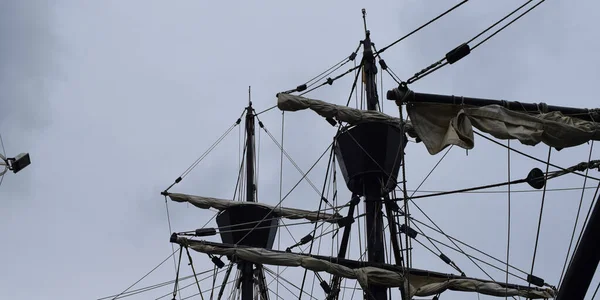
[26,63]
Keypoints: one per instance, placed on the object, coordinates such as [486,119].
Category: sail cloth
[420,285]
[439,125]
[221,204]
[287,102]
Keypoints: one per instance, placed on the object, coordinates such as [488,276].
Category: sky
[115,99]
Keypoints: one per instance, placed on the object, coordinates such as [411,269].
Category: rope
[467,245]
[320,206]
[238,186]
[2,173]
[155,286]
[358,70]
[329,80]
[469,189]
[443,62]
[172,246]
[422,26]
[226,277]
[537,237]
[512,191]
[478,259]
[508,221]
[532,157]
[431,171]
[280,146]
[2,144]
[280,188]
[585,222]
[408,263]
[294,187]
[343,61]
[197,161]
[191,167]
[508,24]
[448,237]
[577,217]
[264,111]
[194,271]
[146,275]
[176,286]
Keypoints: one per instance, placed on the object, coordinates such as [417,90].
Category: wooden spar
[403,95]
[353,264]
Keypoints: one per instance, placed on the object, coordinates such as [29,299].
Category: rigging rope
[508,221]
[294,187]
[532,157]
[3,153]
[358,71]
[194,271]
[146,275]
[508,24]
[431,171]
[467,245]
[422,26]
[320,206]
[207,290]
[157,285]
[325,73]
[176,286]
[331,69]
[280,186]
[172,246]
[270,272]
[238,186]
[448,237]
[537,236]
[585,222]
[389,70]
[197,161]
[408,263]
[284,152]
[463,50]
[452,264]
[512,191]
[472,188]
[478,259]
[577,217]
[283,225]
[330,81]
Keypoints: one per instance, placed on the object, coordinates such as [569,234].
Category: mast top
[250,97]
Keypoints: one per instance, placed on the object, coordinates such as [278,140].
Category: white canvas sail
[420,285]
[287,102]
[439,125]
[284,212]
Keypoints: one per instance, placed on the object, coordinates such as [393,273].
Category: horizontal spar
[403,95]
[422,283]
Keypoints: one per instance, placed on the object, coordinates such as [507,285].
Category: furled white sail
[287,102]
[420,285]
[440,125]
[221,204]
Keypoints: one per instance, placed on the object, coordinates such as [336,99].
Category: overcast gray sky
[114,99]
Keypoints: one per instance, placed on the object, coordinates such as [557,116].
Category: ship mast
[246,267]
[372,192]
